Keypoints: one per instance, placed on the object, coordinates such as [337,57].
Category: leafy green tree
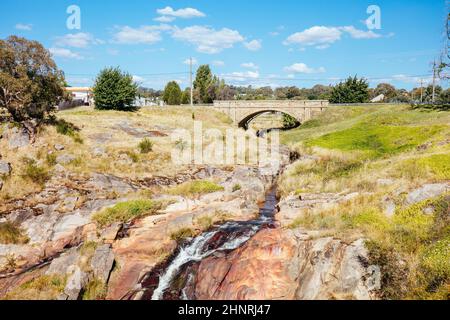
[172,94]
[114,90]
[186,97]
[31,85]
[289,121]
[387,90]
[353,90]
[444,97]
[203,82]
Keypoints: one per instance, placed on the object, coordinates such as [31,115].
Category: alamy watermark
[373,22]
[73,22]
[229,147]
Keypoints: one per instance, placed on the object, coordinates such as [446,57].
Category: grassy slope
[354,147]
[29,177]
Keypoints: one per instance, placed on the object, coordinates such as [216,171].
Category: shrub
[46,287]
[94,290]
[146,146]
[34,172]
[236,187]
[195,188]
[205,222]
[51,159]
[126,211]
[68,129]
[182,234]
[10,233]
[114,90]
[353,90]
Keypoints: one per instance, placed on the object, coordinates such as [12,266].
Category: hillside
[393,165]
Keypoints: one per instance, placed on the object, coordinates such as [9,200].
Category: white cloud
[24,27]
[185,13]
[303,68]
[241,76]
[321,37]
[143,34]
[360,34]
[194,61]
[164,19]
[65,53]
[77,40]
[208,40]
[138,79]
[317,35]
[253,45]
[249,65]
[218,63]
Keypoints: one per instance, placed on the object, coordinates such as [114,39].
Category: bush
[10,233]
[182,234]
[172,94]
[195,188]
[146,146]
[126,211]
[236,187]
[94,290]
[68,129]
[353,90]
[34,172]
[114,90]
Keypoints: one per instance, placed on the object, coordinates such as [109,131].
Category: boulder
[99,151]
[64,264]
[5,168]
[65,159]
[426,192]
[102,262]
[59,147]
[110,183]
[17,137]
[75,284]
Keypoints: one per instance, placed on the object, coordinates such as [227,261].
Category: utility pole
[434,80]
[190,76]
[421,90]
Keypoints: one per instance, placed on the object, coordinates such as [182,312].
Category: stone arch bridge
[244,111]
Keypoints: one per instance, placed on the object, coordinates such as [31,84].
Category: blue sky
[285,42]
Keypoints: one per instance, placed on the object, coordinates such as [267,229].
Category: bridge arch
[245,121]
[243,111]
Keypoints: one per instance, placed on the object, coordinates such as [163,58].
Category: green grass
[46,287]
[34,172]
[195,188]
[126,211]
[65,128]
[10,233]
[94,290]
[146,146]
[376,140]
[438,165]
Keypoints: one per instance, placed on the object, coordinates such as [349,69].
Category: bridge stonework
[243,111]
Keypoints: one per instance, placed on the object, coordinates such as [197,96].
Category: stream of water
[176,279]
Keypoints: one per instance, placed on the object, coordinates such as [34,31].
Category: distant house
[81,96]
[378,98]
